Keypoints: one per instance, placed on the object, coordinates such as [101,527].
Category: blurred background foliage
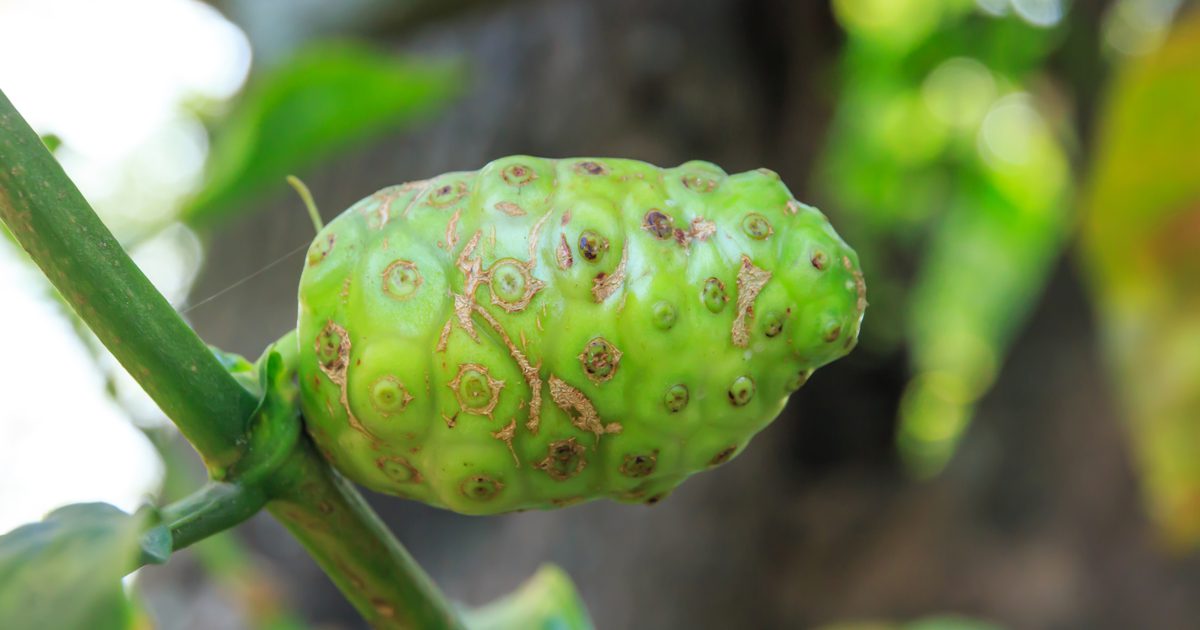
[964,147]
[947,160]
[1141,247]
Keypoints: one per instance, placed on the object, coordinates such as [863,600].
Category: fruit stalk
[54,223]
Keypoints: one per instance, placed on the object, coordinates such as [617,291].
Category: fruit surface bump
[543,332]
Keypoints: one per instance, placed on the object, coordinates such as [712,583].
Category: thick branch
[54,223]
[354,548]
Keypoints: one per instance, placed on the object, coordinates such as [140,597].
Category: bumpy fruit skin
[543,332]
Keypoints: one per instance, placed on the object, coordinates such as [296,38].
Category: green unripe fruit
[543,332]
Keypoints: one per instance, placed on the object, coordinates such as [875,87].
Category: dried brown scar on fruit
[860,284]
[506,435]
[581,410]
[385,198]
[419,186]
[563,253]
[473,272]
[793,206]
[529,371]
[750,281]
[604,285]
[452,229]
[336,371]
[510,208]
[533,238]
[701,229]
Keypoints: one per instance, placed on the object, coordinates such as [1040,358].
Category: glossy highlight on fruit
[544,332]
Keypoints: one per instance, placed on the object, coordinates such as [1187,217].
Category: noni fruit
[543,332]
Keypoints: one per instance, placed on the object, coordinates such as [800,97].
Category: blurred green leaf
[65,571]
[547,601]
[1141,249]
[320,102]
[954,188]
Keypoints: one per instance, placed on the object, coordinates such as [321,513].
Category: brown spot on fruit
[639,465]
[798,380]
[699,183]
[600,360]
[756,226]
[321,248]
[517,175]
[793,206]
[480,488]
[664,315]
[389,396]
[589,167]
[562,253]
[592,246]
[564,459]
[446,195]
[832,331]
[398,469]
[477,392]
[713,295]
[512,284]
[773,324]
[676,398]
[741,391]
[658,224]
[401,279]
[750,281]
[723,456]
[819,260]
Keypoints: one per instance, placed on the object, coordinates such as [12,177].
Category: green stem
[214,508]
[356,550]
[54,223]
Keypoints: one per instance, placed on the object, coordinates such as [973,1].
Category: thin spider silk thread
[245,279]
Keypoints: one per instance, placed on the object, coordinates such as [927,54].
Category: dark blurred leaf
[65,571]
[306,110]
[547,601]
[1142,251]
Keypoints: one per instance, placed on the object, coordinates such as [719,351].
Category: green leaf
[65,571]
[547,601]
[1141,248]
[320,102]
